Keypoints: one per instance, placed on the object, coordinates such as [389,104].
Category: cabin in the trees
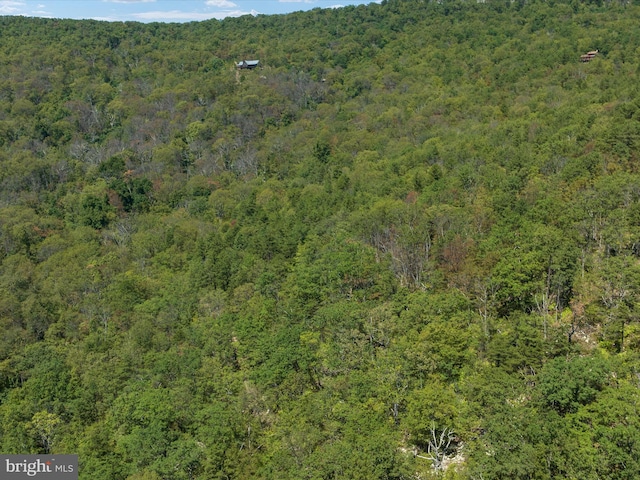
[248,64]
[587,57]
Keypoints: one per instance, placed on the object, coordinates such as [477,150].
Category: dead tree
[438,447]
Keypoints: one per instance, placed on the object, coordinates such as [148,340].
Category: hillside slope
[406,247]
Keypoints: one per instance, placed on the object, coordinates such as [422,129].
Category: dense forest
[406,247]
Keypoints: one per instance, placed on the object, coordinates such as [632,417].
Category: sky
[162,10]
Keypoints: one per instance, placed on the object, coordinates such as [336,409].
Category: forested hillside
[407,247]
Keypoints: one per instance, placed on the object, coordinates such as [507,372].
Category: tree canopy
[407,246]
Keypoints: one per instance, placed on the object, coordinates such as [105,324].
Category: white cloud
[181,16]
[221,3]
[106,19]
[129,1]
[11,7]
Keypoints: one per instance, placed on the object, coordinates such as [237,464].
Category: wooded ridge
[405,246]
